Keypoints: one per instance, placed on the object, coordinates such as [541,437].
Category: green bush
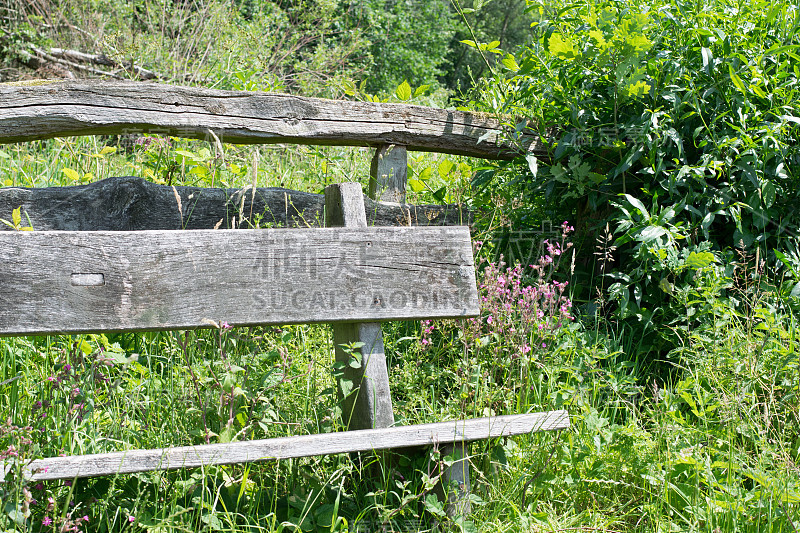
[675,122]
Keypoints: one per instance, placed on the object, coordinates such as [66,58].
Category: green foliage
[689,109]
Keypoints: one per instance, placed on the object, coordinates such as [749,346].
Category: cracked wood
[69,282]
[66,108]
[126,462]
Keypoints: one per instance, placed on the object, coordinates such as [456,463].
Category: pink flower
[85,518]
[225,325]
[131,519]
[47,521]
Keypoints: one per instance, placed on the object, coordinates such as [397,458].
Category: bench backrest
[69,282]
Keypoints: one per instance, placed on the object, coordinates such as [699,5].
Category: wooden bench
[156,276]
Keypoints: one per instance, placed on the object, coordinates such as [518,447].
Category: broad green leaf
[638,89]
[510,63]
[665,285]
[188,155]
[416,185]
[651,233]
[469,42]
[4,155]
[16,216]
[700,260]
[421,90]
[561,47]
[445,167]
[71,174]
[108,150]
[85,347]
[768,194]
[403,91]
[635,202]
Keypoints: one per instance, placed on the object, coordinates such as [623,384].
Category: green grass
[703,438]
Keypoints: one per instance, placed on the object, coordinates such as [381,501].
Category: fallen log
[130,203]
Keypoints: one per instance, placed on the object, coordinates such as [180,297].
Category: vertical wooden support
[388,174]
[370,405]
[455,481]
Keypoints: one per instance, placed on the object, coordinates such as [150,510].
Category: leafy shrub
[676,122]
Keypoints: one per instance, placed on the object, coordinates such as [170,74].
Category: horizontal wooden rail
[128,203]
[69,282]
[128,462]
[66,108]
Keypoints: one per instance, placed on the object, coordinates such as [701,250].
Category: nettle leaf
[561,47]
[403,91]
[421,90]
[445,167]
[416,185]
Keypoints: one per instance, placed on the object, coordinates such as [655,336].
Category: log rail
[65,108]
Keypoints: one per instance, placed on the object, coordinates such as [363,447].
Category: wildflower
[131,519]
[225,325]
[46,521]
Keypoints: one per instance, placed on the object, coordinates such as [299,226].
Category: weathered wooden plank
[65,108]
[369,405]
[127,462]
[388,174]
[129,203]
[176,279]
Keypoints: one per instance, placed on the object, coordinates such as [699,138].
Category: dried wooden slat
[178,279]
[65,108]
[127,462]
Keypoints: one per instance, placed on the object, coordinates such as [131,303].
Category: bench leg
[455,480]
[370,405]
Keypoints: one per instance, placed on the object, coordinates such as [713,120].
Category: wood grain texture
[175,279]
[66,108]
[388,174]
[129,203]
[369,404]
[126,462]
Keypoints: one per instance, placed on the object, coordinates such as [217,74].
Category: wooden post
[455,481]
[370,405]
[388,173]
